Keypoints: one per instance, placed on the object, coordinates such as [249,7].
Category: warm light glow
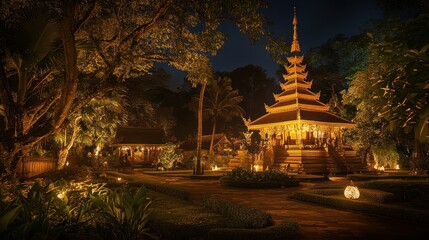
[397,167]
[351,191]
[381,168]
[256,168]
[61,195]
[97,151]
[119,179]
[215,168]
[376,167]
[67,163]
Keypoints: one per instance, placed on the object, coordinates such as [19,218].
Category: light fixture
[351,191]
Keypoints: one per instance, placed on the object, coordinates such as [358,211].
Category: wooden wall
[32,166]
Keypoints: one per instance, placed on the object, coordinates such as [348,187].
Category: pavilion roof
[316,117]
[127,135]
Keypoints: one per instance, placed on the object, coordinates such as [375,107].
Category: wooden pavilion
[298,130]
[139,145]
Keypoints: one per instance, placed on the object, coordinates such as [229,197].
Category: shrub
[167,189]
[276,232]
[377,196]
[45,211]
[240,177]
[67,210]
[414,192]
[399,212]
[250,217]
[123,214]
[168,156]
[365,194]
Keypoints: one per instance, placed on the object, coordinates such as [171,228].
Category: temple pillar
[299,137]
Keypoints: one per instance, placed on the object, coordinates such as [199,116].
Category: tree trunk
[64,151]
[198,169]
[365,155]
[417,153]
[213,134]
[18,142]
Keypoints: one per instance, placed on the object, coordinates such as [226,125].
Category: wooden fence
[32,166]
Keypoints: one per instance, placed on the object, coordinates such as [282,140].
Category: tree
[255,86]
[392,88]
[127,38]
[94,125]
[221,101]
[31,55]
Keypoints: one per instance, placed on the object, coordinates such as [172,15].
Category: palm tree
[221,101]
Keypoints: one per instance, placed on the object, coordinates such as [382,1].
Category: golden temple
[298,129]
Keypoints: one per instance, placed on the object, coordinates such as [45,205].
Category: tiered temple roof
[296,103]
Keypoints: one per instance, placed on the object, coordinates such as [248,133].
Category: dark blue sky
[318,21]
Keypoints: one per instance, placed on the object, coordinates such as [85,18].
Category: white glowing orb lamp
[351,191]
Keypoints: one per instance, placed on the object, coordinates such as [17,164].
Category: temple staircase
[318,160]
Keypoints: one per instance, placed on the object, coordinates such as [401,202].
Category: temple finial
[295,44]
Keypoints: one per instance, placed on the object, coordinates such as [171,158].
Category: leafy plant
[123,214]
[168,156]
[241,177]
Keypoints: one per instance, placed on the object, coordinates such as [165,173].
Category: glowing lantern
[382,168]
[397,167]
[351,191]
[256,168]
[119,179]
[67,163]
[214,168]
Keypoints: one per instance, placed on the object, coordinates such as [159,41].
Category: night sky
[318,21]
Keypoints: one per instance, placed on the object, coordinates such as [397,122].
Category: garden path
[316,222]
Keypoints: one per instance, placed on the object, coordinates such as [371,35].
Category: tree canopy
[56,56]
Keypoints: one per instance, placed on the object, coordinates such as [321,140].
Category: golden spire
[295,44]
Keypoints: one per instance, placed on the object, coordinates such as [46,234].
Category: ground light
[351,191]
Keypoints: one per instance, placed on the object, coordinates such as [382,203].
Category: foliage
[404,190]
[221,101]
[124,214]
[253,83]
[387,210]
[279,231]
[394,112]
[168,156]
[332,64]
[167,189]
[266,179]
[177,219]
[81,50]
[370,195]
[250,217]
[62,209]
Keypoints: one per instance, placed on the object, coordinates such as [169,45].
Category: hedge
[370,195]
[250,217]
[398,212]
[280,231]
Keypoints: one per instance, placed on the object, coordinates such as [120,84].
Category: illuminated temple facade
[298,130]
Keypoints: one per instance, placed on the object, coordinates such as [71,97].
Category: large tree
[255,86]
[393,88]
[126,39]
